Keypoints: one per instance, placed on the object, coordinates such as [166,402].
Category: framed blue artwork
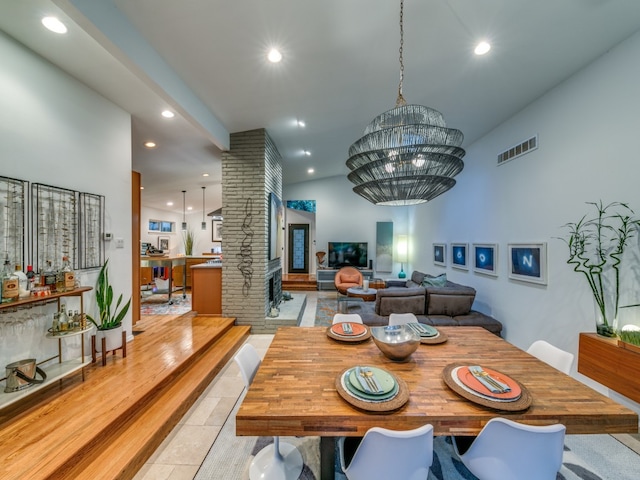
[459,256]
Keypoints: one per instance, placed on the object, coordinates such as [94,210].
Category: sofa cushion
[400,300]
[451,305]
[439,281]
[417,277]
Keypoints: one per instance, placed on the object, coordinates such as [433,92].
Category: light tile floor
[181,453]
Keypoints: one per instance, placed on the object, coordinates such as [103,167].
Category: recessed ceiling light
[301,124]
[189,208]
[169,204]
[482,48]
[205,174]
[274,55]
[306,152]
[55,25]
[150,144]
[168,114]
[311,170]
[141,188]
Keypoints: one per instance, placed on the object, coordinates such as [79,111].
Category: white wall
[55,130]
[587,130]
[343,216]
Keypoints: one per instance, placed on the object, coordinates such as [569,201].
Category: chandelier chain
[400,100]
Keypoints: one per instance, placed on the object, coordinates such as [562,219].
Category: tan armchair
[346,278]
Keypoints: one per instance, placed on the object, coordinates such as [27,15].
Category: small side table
[368,295]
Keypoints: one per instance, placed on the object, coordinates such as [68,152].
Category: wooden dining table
[294,391]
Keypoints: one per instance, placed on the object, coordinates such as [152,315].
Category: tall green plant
[596,246]
[104,300]
[188,238]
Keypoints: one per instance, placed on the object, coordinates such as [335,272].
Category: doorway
[298,248]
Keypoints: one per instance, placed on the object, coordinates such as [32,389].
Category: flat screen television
[348,254]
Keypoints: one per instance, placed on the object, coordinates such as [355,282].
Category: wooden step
[298,282]
[123,410]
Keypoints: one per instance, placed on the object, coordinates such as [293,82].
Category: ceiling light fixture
[169,204]
[55,25]
[274,56]
[203,226]
[205,174]
[407,155]
[311,170]
[168,114]
[150,144]
[184,217]
[301,124]
[306,153]
[482,48]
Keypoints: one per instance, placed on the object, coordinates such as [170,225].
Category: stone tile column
[251,170]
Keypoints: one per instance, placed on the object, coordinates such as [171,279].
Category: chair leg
[279,460]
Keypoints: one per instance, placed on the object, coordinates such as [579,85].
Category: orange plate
[358,329]
[466,377]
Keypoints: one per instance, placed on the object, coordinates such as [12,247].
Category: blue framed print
[440,254]
[528,262]
[459,255]
[485,258]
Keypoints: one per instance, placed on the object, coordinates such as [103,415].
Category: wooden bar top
[293,392]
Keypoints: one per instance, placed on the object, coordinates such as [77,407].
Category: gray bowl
[397,342]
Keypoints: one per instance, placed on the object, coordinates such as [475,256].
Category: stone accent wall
[251,169]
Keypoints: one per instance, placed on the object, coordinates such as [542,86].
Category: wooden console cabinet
[206,289]
[608,363]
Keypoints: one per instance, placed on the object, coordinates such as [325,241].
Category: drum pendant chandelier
[407,155]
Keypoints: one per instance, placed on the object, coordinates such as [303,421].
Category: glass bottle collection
[17,284]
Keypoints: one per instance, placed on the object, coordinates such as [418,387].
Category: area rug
[157,304]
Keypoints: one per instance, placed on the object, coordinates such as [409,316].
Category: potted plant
[188,238]
[596,250]
[109,322]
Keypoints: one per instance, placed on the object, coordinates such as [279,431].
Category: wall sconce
[402,248]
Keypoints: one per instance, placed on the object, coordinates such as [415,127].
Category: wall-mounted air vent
[518,150]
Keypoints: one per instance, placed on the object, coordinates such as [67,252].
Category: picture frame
[528,262]
[440,254]
[485,258]
[163,243]
[460,256]
[216,230]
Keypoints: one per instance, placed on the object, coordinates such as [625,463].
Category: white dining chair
[346,317]
[554,356]
[402,318]
[278,460]
[507,450]
[390,454]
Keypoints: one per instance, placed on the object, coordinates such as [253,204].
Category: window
[161,226]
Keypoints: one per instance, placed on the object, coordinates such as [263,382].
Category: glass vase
[607,321]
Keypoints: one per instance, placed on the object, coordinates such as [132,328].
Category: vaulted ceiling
[206,61]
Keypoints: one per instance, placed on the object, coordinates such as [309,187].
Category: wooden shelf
[610,364]
[54,372]
[32,301]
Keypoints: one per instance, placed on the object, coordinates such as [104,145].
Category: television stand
[325,277]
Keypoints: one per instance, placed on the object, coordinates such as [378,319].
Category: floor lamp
[402,249]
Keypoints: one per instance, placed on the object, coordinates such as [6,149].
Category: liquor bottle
[48,277]
[10,287]
[31,277]
[69,276]
[55,326]
[23,282]
[63,319]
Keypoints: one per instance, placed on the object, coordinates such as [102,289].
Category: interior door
[299,248]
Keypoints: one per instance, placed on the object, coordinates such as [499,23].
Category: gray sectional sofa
[446,305]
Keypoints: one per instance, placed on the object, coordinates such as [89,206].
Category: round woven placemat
[375,407]
[522,403]
[440,338]
[347,339]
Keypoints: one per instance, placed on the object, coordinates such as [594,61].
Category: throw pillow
[350,278]
[439,281]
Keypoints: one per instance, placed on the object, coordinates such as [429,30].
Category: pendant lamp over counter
[184,214]
[407,155]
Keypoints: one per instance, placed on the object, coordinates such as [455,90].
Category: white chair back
[507,450]
[554,356]
[402,318]
[391,454]
[248,360]
[346,317]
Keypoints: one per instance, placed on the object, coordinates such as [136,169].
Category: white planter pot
[113,338]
